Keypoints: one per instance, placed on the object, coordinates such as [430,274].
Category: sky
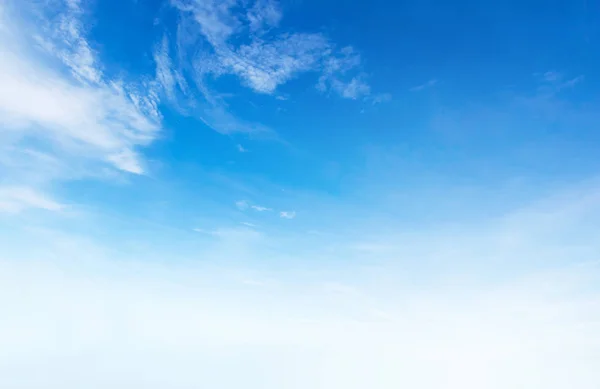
[299,193]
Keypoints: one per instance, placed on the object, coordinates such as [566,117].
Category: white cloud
[428,84]
[260,208]
[215,18]
[17,199]
[352,90]
[241,149]
[168,77]
[217,117]
[242,38]
[201,102]
[85,118]
[164,74]
[287,214]
[100,121]
[128,161]
[245,204]
[264,64]
[63,36]
[342,62]
[264,14]
[334,76]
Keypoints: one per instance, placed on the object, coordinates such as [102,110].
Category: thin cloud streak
[260,208]
[428,84]
[18,199]
[287,214]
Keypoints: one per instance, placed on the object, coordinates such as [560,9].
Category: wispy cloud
[429,84]
[17,199]
[353,89]
[265,63]
[260,208]
[572,82]
[245,204]
[86,117]
[264,14]
[336,67]
[217,116]
[287,214]
[554,82]
[241,149]
[245,39]
[177,74]
[164,68]
[64,36]
[168,76]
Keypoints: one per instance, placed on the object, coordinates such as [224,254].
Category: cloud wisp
[245,39]
[261,208]
[243,205]
[86,115]
[17,199]
[429,84]
[287,214]
[553,82]
[77,118]
[267,62]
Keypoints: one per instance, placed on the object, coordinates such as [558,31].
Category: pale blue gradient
[203,193]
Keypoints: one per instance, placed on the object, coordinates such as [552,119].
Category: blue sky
[308,193]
